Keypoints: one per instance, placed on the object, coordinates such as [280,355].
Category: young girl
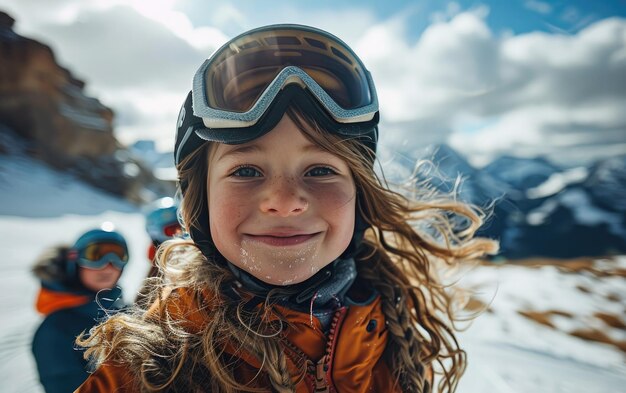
[304,272]
[71,280]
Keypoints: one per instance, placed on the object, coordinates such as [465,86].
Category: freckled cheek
[225,213]
[336,203]
[333,196]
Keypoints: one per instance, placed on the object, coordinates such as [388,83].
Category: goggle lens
[98,255]
[242,71]
[96,251]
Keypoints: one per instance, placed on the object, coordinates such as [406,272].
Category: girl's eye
[246,171]
[321,171]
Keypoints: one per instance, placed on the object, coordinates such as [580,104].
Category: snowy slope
[511,353]
[30,189]
[507,352]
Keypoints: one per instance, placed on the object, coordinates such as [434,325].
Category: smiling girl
[282,207]
[302,273]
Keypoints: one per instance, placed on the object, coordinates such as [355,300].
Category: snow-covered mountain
[552,327]
[607,182]
[520,173]
[537,208]
[146,151]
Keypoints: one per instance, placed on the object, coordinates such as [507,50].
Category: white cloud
[161,11]
[146,116]
[227,15]
[538,6]
[33,13]
[534,93]
[451,62]
[452,9]
[118,45]
[136,52]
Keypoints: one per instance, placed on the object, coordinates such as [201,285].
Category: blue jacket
[60,364]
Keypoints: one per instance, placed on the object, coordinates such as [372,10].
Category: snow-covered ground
[511,353]
[507,352]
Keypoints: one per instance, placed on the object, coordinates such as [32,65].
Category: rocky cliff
[44,104]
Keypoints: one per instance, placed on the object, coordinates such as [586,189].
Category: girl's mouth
[282,241]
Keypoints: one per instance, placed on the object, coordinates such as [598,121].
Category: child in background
[69,298]
[304,271]
[161,224]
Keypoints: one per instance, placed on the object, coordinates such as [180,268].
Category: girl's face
[99,279]
[280,207]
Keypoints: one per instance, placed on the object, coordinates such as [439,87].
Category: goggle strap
[186,139]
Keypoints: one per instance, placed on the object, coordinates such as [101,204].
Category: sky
[521,77]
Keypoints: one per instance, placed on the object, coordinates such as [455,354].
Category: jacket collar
[49,301]
[328,285]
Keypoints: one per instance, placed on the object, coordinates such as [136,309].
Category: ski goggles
[98,255]
[237,85]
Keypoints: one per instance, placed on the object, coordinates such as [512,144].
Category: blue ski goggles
[99,254]
[237,85]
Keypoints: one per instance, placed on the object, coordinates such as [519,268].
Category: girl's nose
[284,198]
[110,267]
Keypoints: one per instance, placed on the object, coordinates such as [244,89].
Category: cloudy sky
[520,77]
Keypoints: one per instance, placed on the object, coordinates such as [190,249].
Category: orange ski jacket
[347,359]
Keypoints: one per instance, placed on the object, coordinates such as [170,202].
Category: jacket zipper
[319,373]
[320,384]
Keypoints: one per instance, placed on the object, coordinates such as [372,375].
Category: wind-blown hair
[395,258]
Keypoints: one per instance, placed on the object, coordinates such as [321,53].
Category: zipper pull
[320,376]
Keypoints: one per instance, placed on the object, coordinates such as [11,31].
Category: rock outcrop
[43,103]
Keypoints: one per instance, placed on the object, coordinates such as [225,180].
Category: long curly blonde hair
[395,257]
